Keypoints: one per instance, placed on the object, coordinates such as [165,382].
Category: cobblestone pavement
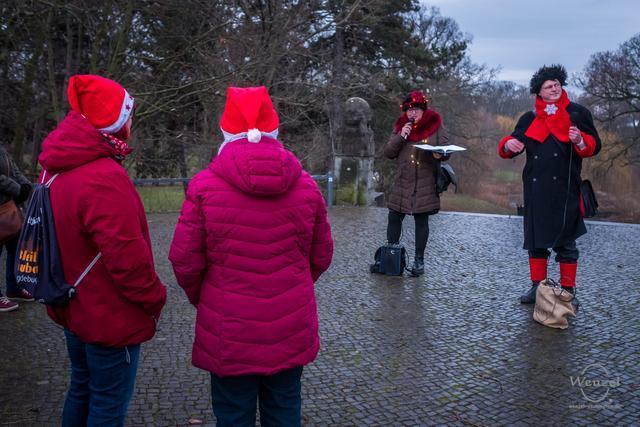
[452,347]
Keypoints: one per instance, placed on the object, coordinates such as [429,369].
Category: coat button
[555,154]
[554,178]
[535,157]
[534,180]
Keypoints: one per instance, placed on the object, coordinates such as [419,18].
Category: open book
[442,149]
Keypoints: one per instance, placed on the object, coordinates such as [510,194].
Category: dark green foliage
[178,57]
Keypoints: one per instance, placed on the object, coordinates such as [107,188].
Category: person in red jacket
[251,241]
[97,210]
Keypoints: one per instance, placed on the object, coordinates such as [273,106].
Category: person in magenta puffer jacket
[251,240]
[96,209]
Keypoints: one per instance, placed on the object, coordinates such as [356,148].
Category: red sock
[538,269]
[568,274]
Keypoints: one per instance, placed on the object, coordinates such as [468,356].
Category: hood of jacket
[73,143]
[261,169]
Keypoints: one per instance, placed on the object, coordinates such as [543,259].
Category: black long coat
[551,181]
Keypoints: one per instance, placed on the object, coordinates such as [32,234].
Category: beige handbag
[553,305]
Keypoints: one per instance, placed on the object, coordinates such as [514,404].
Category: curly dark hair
[552,72]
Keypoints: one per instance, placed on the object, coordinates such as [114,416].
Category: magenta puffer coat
[252,239]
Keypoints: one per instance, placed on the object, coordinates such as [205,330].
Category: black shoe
[574,302]
[529,297]
[417,269]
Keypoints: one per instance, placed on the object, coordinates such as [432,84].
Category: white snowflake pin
[551,109]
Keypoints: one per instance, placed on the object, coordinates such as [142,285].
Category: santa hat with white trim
[248,113]
[103,102]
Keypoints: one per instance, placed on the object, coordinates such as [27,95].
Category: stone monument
[354,155]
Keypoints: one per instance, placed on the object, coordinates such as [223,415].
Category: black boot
[529,297]
[417,269]
[574,302]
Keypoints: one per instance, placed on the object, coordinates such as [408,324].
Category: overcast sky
[520,36]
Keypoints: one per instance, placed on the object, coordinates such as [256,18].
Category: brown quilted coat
[414,187]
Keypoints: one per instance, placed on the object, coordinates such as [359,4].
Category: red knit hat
[103,102]
[249,110]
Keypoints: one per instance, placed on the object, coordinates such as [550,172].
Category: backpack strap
[97,257]
[88,269]
[48,183]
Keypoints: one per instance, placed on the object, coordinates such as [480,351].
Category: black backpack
[38,268]
[390,259]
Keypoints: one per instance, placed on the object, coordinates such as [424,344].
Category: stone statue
[354,155]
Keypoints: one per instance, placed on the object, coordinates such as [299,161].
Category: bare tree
[611,81]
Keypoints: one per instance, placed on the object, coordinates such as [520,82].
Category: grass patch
[503,175]
[158,199]
[169,198]
[451,201]
[346,194]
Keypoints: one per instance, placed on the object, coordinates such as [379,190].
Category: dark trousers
[10,276]
[234,399]
[394,229]
[566,254]
[101,386]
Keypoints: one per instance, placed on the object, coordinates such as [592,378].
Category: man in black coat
[556,136]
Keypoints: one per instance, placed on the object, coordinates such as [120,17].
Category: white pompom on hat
[248,113]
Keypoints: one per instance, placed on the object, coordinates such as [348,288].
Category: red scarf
[119,146]
[547,122]
[423,128]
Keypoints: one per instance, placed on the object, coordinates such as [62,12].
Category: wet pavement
[453,347]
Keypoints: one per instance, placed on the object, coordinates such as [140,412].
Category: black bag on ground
[588,199]
[390,259]
[38,267]
[445,176]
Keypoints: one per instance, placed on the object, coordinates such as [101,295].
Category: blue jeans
[11,246]
[234,399]
[101,386]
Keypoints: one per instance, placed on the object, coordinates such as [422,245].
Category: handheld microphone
[410,120]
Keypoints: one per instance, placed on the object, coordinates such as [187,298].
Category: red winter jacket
[252,239]
[97,209]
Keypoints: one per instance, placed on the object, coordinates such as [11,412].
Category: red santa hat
[249,113]
[103,102]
